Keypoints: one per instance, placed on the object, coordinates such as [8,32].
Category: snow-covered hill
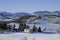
[46,25]
[6,15]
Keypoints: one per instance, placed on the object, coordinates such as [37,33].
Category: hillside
[47,23]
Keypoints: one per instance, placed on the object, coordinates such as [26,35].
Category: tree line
[22,26]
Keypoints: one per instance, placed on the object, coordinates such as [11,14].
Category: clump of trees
[3,26]
[22,26]
[39,29]
[15,29]
[36,29]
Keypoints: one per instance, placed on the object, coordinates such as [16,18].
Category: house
[27,30]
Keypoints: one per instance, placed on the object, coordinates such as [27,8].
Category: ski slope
[29,36]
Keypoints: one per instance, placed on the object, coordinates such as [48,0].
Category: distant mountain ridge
[47,13]
[19,14]
[11,15]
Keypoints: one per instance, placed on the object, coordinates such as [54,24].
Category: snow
[29,36]
[47,24]
[7,20]
[50,33]
[12,24]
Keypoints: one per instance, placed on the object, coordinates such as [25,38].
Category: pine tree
[34,29]
[0,26]
[21,27]
[14,26]
[26,26]
[4,26]
[39,29]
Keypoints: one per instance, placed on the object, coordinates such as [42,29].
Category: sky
[29,5]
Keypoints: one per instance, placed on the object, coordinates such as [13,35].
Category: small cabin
[26,30]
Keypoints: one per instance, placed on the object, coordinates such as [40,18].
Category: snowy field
[29,36]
